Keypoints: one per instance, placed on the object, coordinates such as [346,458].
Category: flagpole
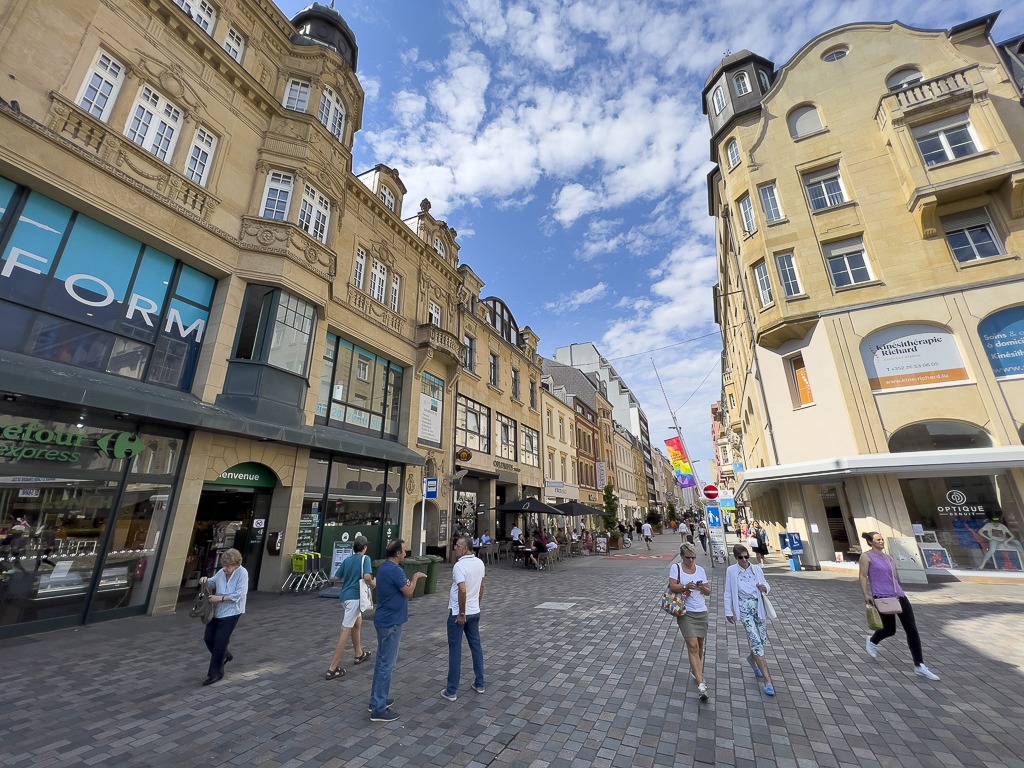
[675,423]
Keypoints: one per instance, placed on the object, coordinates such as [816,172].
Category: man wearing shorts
[648,534]
[355,568]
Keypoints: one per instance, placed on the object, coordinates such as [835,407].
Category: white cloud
[570,302]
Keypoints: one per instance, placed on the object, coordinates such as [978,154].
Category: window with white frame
[234,44]
[106,75]
[200,156]
[506,429]
[799,381]
[718,99]
[747,214]
[530,452]
[472,425]
[396,292]
[434,315]
[788,275]
[359,272]
[551,465]
[770,203]
[905,78]
[387,197]
[825,188]
[847,262]
[332,113]
[972,236]
[277,195]
[378,281]
[314,213]
[296,98]
[835,54]
[201,12]
[742,84]
[803,121]
[732,153]
[494,372]
[439,247]
[153,123]
[946,139]
[764,284]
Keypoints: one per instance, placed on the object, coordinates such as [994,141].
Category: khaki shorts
[693,624]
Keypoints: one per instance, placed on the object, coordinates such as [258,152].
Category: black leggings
[909,626]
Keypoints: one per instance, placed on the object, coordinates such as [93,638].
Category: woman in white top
[744,586]
[689,579]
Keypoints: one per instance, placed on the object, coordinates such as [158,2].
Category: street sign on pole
[716,534]
[430,488]
[710,492]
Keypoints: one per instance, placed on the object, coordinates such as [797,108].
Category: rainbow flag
[680,463]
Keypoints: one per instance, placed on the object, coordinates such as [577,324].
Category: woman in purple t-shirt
[878,579]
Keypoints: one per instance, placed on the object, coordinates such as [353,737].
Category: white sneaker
[871,648]
[923,671]
[702,690]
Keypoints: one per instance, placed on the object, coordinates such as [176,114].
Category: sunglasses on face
[742,557]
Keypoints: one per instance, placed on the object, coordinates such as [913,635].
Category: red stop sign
[710,492]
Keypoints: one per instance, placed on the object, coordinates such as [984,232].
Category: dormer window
[439,247]
[387,197]
[718,99]
[742,84]
[762,78]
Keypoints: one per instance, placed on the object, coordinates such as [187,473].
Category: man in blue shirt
[393,593]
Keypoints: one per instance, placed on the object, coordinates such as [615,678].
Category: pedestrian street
[582,669]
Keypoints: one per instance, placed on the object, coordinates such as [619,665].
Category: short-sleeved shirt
[392,605]
[351,572]
[648,530]
[695,602]
[516,533]
[468,570]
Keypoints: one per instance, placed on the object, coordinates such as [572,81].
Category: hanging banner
[680,463]
[912,356]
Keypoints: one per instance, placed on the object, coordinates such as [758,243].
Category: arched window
[803,121]
[732,152]
[938,436]
[742,84]
[905,78]
[762,78]
[718,99]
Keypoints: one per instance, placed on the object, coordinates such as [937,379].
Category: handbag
[365,596]
[673,603]
[874,618]
[769,609]
[889,605]
[203,608]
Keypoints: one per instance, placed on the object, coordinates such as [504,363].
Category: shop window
[101,86]
[912,355]
[275,328]
[1002,334]
[153,123]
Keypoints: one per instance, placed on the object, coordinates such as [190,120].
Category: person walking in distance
[878,579]
[393,593]
[648,534]
[702,532]
[689,579]
[464,618]
[354,569]
[230,586]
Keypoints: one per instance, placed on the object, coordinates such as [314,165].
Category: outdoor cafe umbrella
[575,509]
[529,505]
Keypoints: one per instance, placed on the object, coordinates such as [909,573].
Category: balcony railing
[896,105]
[430,336]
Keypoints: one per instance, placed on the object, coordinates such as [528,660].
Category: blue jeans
[387,656]
[472,631]
[217,636]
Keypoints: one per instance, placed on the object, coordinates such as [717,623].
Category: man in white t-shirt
[517,535]
[648,534]
[464,617]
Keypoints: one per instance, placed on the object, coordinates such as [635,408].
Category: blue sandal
[753,666]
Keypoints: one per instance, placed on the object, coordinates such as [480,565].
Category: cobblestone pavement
[601,681]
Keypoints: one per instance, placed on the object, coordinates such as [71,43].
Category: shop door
[228,518]
[837,524]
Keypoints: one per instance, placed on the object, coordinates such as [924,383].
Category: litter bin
[433,569]
[375,566]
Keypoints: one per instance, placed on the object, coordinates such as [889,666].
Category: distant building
[869,206]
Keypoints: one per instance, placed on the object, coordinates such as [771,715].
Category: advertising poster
[1002,334]
[430,419]
[912,356]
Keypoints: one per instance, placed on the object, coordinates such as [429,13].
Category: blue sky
[564,141]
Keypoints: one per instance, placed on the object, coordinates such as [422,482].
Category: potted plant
[654,518]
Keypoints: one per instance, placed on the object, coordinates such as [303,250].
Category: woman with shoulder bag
[881,588]
[230,586]
[744,587]
[689,579]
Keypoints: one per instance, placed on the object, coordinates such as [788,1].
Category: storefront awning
[72,386]
[972,461]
